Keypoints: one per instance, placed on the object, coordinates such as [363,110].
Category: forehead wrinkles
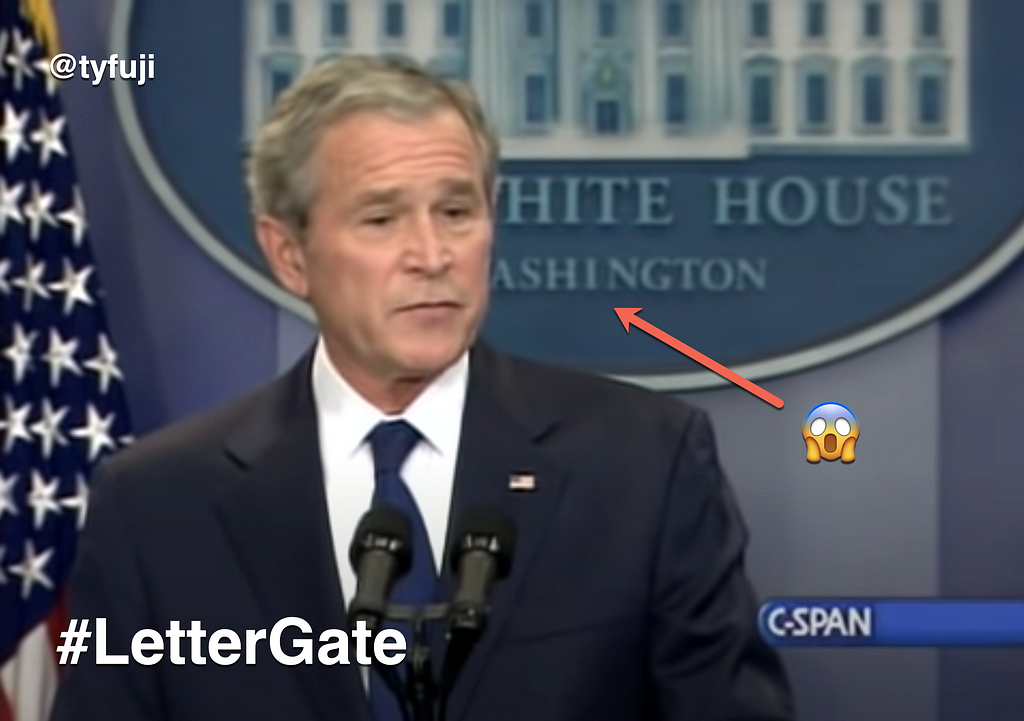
[383,146]
[435,160]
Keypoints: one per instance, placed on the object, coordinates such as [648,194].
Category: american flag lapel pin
[522,482]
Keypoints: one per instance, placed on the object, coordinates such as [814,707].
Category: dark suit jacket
[627,600]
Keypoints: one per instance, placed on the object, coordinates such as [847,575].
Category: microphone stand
[421,690]
[421,693]
[467,624]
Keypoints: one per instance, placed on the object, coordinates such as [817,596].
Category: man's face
[396,260]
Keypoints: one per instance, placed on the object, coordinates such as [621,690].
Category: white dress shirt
[345,418]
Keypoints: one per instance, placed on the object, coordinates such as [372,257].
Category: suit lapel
[276,518]
[500,439]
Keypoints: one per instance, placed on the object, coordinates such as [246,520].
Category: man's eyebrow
[383,196]
[460,186]
[390,196]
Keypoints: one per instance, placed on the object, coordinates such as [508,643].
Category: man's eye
[457,212]
[378,220]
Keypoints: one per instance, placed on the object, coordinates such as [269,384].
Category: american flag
[62,405]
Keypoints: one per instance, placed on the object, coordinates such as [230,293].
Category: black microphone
[380,554]
[481,555]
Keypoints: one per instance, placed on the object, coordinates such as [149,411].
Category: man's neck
[392,398]
[390,395]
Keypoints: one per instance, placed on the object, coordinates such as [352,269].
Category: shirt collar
[348,417]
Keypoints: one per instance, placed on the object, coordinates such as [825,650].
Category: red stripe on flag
[6,713]
[56,622]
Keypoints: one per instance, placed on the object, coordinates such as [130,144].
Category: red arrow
[628,317]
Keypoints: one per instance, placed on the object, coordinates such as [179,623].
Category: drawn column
[490,59]
[717,67]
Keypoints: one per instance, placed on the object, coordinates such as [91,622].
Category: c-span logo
[780,182]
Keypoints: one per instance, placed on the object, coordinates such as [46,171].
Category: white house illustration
[657,79]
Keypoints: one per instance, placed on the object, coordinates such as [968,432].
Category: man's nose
[429,248]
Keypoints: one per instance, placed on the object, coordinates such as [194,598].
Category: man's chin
[423,364]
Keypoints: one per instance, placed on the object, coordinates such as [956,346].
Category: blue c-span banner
[780,183]
[892,622]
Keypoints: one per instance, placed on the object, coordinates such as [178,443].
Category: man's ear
[283,253]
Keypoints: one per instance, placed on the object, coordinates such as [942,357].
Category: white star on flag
[47,428]
[15,423]
[74,215]
[7,504]
[47,136]
[32,569]
[10,210]
[79,501]
[61,356]
[42,498]
[43,66]
[104,364]
[19,352]
[37,210]
[13,131]
[97,431]
[18,59]
[32,284]
[73,285]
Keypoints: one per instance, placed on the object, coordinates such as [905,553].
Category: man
[373,189]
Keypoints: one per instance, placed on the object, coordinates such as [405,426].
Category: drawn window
[873,26]
[606,18]
[608,117]
[675,99]
[534,19]
[872,112]
[674,19]
[336,22]
[394,19]
[929,20]
[931,101]
[762,95]
[452,20]
[280,79]
[281,20]
[760,19]
[816,100]
[817,19]
[536,99]
[279,72]
[816,94]
[762,101]
[930,94]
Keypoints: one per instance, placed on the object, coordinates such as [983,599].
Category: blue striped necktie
[391,443]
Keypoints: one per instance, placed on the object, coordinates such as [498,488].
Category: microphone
[481,556]
[380,554]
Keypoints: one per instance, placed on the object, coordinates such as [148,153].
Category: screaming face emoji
[830,432]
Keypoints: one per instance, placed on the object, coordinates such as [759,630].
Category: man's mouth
[429,306]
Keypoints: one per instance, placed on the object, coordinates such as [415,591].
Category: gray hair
[280,174]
